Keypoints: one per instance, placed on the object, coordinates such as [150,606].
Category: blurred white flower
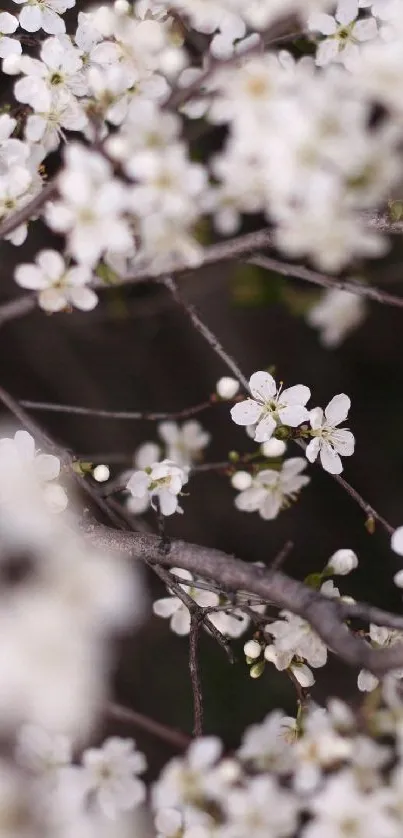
[111,774]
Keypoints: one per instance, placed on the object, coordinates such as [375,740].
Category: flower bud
[252,649]
[273,447]
[342,562]
[227,387]
[241,480]
[257,669]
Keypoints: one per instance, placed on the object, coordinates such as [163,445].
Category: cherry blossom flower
[329,441]
[110,773]
[57,70]
[293,636]
[341,803]
[263,804]
[19,456]
[271,490]
[91,206]
[44,14]
[336,314]
[271,406]
[342,562]
[42,753]
[343,33]
[185,443]
[163,482]
[58,286]
[267,746]
[173,608]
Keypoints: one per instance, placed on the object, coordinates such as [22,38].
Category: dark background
[137,351]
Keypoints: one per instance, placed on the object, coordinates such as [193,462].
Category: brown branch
[194,670]
[308,275]
[362,503]
[204,330]
[167,734]
[23,215]
[326,616]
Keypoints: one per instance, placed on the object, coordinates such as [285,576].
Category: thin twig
[363,504]
[167,734]
[17,308]
[325,281]
[204,330]
[279,560]
[195,675]
[152,416]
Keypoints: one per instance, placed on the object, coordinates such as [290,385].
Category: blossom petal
[84,299]
[167,606]
[323,23]
[397,541]
[316,418]
[30,277]
[51,263]
[347,11]
[337,409]
[344,442]
[365,30]
[47,466]
[250,500]
[180,623]
[312,449]
[265,428]
[25,444]
[246,412]
[293,415]
[168,502]
[262,386]
[271,507]
[30,18]
[330,460]
[299,394]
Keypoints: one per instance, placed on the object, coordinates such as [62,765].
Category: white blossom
[162,482]
[343,32]
[44,14]
[271,406]
[111,774]
[342,562]
[272,490]
[328,440]
[185,443]
[336,314]
[58,285]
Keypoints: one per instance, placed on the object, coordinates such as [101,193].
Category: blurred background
[137,351]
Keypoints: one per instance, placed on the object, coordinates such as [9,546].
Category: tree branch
[194,670]
[326,616]
[152,416]
[308,275]
[167,734]
[204,330]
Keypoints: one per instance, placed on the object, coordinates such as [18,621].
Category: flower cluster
[324,777]
[271,407]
